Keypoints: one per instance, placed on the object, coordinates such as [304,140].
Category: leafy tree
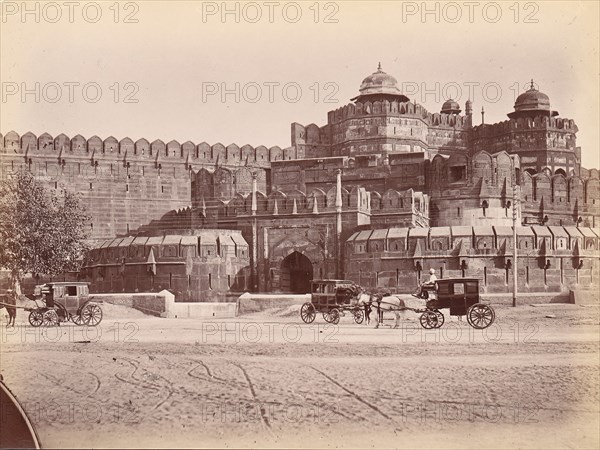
[41,231]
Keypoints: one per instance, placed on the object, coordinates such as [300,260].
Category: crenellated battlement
[572,199]
[360,109]
[497,170]
[280,203]
[539,122]
[394,108]
[126,150]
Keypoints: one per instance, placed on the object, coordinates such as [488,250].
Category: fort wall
[550,259]
[126,184]
[206,265]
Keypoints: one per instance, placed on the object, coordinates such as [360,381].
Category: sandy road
[268,380]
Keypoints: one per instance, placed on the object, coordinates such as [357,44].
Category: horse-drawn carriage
[61,302]
[461,296]
[332,298]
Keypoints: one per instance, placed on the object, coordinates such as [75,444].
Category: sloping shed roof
[116,242]
[589,232]
[418,232]
[106,243]
[462,231]
[140,240]
[154,240]
[379,234]
[172,239]
[208,238]
[351,238]
[483,231]
[225,239]
[525,231]
[363,235]
[397,232]
[127,241]
[558,232]
[541,231]
[189,240]
[573,232]
[440,231]
[238,239]
[503,231]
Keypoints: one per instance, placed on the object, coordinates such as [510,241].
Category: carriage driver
[427,284]
[432,278]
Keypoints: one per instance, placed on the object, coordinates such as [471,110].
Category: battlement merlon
[29,145]
[524,123]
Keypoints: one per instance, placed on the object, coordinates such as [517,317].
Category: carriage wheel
[307,312]
[335,315]
[480,316]
[332,316]
[440,318]
[36,318]
[429,320]
[92,314]
[78,319]
[50,318]
[359,315]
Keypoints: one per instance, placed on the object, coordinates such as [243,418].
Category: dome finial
[379,83]
[532,86]
[450,107]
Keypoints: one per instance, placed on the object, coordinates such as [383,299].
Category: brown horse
[10,302]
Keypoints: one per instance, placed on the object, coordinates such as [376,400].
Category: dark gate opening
[296,273]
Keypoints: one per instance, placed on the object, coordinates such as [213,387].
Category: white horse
[381,304]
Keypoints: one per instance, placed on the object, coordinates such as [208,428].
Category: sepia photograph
[300,224]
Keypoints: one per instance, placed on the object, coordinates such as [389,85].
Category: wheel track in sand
[263,415]
[352,394]
[98,383]
[144,384]
[319,405]
[209,374]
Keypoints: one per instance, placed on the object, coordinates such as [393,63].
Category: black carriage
[461,296]
[332,298]
[63,302]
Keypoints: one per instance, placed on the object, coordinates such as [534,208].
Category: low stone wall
[151,303]
[195,310]
[250,303]
[163,304]
[526,298]
[585,297]
[115,299]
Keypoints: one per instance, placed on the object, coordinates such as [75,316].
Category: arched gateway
[296,273]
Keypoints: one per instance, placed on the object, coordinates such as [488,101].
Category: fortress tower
[536,133]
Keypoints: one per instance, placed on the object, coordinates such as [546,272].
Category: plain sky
[158,69]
